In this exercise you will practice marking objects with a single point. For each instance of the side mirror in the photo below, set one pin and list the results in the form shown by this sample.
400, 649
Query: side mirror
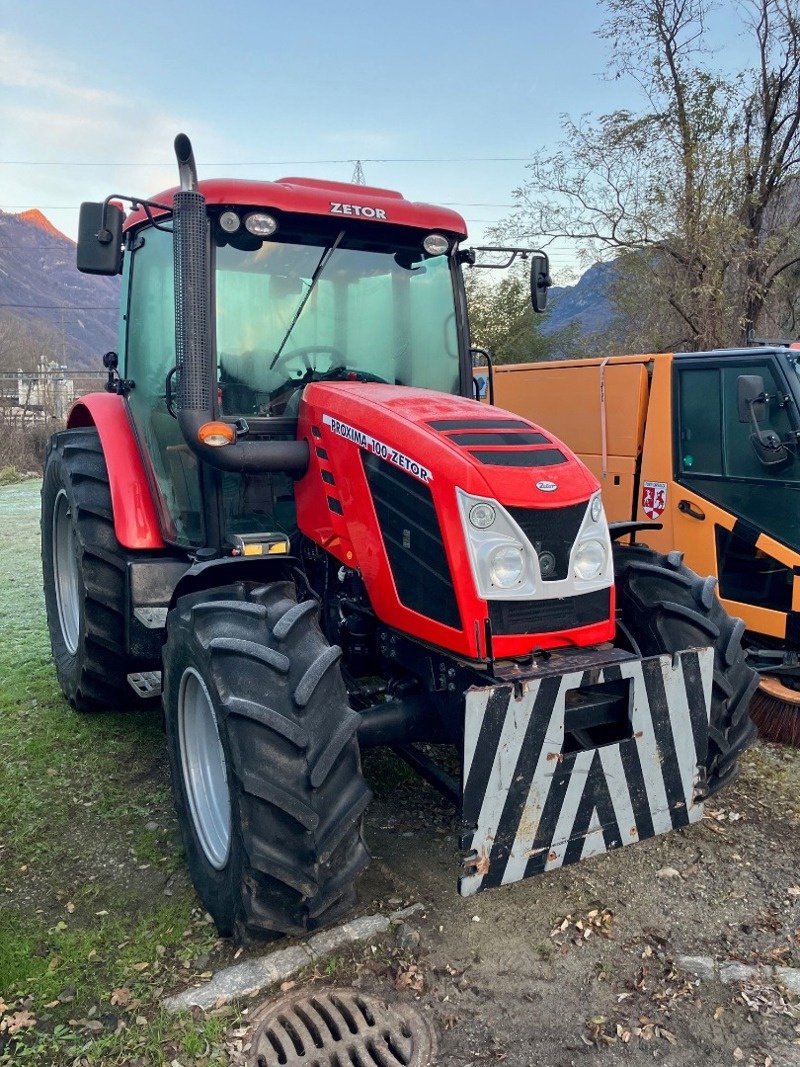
540, 281
751, 401
100, 239
750, 398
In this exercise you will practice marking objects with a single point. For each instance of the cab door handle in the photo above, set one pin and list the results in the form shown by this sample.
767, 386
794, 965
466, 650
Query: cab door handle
688, 508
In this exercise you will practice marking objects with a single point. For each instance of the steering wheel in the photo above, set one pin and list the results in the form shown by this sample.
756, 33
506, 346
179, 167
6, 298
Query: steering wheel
335, 374
304, 354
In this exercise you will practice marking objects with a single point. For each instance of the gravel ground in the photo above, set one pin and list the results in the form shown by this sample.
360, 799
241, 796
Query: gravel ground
578, 966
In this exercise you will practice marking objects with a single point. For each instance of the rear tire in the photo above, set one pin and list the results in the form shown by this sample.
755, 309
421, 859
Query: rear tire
83, 568
277, 847
662, 606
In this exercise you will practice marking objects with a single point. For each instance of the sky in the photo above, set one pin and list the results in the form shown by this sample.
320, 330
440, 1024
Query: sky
442, 100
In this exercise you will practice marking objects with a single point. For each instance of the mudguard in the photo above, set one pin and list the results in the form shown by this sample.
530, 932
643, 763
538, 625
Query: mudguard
530, 805
135, 517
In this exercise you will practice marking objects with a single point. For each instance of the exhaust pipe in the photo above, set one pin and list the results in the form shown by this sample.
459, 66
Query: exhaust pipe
195, 358
186, 165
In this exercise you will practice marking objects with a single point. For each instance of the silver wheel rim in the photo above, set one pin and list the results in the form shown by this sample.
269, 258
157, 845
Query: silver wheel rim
203, 766
66, 573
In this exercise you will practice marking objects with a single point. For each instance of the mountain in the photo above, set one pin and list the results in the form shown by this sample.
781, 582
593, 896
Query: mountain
587, 304
39, 283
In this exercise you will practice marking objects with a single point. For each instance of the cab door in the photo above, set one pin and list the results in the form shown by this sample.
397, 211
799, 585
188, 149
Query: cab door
736, 512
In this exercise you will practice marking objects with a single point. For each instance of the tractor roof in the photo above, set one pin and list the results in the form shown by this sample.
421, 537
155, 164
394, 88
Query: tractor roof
313, 197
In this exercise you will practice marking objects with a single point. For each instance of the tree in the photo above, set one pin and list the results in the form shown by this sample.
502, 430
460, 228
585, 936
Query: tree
700, 183
503, 321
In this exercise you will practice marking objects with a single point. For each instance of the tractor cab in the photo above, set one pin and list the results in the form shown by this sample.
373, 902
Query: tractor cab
302, 286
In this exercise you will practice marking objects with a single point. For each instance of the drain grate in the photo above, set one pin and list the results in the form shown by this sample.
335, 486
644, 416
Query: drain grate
340, 1028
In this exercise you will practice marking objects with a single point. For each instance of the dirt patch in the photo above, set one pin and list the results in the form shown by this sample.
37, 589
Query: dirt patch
579, 965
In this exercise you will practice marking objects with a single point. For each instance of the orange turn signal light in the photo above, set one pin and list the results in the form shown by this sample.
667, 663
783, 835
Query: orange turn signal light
216, 434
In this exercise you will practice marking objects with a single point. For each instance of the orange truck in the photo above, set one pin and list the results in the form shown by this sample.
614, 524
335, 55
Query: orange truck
705, 444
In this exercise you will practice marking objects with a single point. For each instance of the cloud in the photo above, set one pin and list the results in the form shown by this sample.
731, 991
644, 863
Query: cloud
53, 113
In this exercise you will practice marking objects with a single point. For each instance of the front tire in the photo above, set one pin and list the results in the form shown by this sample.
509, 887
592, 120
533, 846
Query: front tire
662, 606
264, 760
83, 567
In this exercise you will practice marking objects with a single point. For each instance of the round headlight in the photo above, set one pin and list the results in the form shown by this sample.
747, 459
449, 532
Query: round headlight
506, 565
260, 224
229, 221
435, 244
482, 516
596, 509
590, 559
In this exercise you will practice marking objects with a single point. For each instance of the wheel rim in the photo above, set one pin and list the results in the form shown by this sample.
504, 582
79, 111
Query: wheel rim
203, 766
66, 573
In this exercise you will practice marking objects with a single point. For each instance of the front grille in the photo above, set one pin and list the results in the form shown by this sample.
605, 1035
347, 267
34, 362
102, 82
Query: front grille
551, 530
413, 540
546, 616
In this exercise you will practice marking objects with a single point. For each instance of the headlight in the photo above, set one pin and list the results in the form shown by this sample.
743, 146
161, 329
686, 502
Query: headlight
590, 559
260, 224
481, 516
506, 565
229, 221
596, 508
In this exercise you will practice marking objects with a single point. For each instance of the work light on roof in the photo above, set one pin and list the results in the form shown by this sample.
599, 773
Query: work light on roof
260, 224
230, 221
435, 244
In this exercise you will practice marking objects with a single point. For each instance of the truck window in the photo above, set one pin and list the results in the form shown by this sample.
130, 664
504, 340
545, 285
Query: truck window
741, 460
700, 421
717, 460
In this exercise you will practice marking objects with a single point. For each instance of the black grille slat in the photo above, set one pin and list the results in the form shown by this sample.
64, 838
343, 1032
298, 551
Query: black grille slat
410, 530
541, 457
480, 424
546, 616
551, 530
500, 438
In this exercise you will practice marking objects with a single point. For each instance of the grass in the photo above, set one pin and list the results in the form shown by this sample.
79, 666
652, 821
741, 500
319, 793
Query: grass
97, 918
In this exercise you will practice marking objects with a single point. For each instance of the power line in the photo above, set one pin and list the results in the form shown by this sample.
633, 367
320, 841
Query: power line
58, 307
268, 163
70, 207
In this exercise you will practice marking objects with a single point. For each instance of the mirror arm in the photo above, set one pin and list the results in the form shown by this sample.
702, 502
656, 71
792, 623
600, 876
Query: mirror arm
105, 235
513, 254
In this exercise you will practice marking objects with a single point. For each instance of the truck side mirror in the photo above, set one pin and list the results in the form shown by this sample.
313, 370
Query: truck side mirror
770, 450
540, 281
750, 398
100, 239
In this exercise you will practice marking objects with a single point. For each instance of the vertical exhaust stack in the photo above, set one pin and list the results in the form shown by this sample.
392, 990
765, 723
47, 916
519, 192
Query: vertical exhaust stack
195, 358
192, 294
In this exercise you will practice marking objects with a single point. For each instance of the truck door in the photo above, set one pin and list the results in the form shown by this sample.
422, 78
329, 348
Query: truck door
737, 512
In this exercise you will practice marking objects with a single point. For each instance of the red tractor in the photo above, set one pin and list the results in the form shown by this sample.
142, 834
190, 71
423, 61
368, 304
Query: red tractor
290, 509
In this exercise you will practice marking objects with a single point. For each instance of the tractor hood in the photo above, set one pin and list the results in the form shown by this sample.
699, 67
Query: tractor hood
391, 474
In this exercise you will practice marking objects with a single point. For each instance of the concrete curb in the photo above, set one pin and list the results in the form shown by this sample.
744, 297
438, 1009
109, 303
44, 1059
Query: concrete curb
251, 976
729, 971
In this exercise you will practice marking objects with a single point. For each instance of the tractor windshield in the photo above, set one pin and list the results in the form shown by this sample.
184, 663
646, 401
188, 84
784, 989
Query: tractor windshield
306, 308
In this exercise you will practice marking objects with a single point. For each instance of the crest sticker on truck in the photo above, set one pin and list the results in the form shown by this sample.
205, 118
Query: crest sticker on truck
654, 499
378, 448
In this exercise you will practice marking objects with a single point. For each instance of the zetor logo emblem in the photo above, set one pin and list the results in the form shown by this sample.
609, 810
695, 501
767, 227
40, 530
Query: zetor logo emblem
547, 487
357, 209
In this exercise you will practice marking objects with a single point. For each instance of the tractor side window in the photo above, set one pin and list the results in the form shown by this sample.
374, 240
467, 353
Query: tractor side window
150, 356
700, 421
